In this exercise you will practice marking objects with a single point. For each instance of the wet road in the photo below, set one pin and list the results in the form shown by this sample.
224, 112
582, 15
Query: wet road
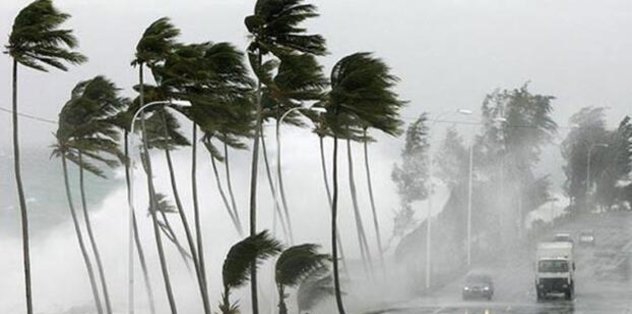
603, 278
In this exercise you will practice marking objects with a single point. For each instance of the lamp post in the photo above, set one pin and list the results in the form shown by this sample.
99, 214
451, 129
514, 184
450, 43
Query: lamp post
278, 157
429, 214
592, 146
181, 103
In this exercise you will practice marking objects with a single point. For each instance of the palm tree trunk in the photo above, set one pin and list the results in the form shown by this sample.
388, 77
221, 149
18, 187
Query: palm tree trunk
139, 247
375, 221
154, 206
253, 191
230, 186
364, 246
82, 246
334, 228
281, 188
326, 181
93, 242
198, 223
229, 209
277, 207
18, 182
185, 224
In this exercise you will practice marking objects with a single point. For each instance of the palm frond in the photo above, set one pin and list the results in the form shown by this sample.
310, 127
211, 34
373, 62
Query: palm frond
36, 40
252, 250
297, 262
157, 40
362, 90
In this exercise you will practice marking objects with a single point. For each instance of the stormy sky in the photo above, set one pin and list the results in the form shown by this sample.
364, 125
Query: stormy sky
448, 53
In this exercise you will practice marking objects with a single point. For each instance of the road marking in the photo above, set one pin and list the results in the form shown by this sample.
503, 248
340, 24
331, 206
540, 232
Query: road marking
438, 310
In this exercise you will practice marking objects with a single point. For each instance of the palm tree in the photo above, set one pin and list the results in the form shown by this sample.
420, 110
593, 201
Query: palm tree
86, 135
37, 42
294, 265
157, 41
94, 136
241, 257
361, 91
275, 28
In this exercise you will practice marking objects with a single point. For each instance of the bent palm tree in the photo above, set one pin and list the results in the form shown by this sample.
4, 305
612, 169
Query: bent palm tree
275, 28
37, 42
294, 265
86, 134
95, 136
241, 257
157, 41
361, 92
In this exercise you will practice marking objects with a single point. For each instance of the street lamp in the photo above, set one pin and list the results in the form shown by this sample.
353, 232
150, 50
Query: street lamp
429, 214
278, 155
180, 103
604, 145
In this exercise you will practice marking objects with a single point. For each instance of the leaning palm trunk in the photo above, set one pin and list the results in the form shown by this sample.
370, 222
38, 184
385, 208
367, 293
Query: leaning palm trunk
334, 228
180, 208
375, 221
364, 246
220, 188
93, 243
277, 207
281, 188
326, 181
154, 205
230, 185
82, 246
22, 200
253, 191
139, 247
198, 223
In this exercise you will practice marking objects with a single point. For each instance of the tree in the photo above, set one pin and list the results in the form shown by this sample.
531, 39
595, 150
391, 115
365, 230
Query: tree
275, 29
157, 41
361, 90
516, 125
294, 265
87, 135
36, 41
453, 159
410, 178
590, 129
245, 254
87, 123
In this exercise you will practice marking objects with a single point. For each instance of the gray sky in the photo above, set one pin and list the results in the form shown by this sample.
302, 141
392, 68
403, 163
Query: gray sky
448, 53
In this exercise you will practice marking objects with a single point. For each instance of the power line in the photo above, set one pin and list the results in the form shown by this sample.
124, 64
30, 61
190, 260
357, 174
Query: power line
29, 116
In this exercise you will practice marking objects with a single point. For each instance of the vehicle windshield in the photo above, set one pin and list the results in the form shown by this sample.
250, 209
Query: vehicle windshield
478, 279
553, 266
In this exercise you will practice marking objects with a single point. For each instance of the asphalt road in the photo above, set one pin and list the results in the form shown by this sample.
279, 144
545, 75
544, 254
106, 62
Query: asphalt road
603, 278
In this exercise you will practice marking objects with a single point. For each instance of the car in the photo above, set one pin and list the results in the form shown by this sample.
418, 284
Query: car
563, 237
587, 238
478, 285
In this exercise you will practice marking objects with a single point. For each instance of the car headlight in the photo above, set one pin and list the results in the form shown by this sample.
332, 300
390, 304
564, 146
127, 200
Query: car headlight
486, 288
466, 288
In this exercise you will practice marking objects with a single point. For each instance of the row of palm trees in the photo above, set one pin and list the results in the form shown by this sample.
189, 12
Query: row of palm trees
227, 106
